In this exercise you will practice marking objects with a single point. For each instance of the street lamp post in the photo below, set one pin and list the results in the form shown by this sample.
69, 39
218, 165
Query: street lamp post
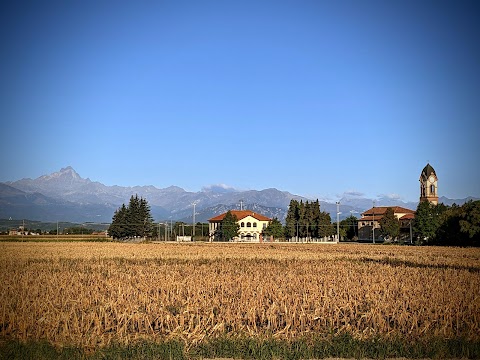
411, 237
373, 222
193, 231
338, 223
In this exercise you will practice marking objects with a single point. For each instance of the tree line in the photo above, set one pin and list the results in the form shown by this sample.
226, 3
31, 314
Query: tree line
133, 220
433, 224
448, 225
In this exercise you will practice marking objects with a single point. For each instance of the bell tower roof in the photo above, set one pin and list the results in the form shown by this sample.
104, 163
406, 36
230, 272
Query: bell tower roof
427, 171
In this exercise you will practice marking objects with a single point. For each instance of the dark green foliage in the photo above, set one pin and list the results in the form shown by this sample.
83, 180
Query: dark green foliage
390, 225
132, 221
305, 220
460, 225
428, 219
326, 227
229, 227
77, 230
291, 219
443, 225
470, 221
275, 229
348, 227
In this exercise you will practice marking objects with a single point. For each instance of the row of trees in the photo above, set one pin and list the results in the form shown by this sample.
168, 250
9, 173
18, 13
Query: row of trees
133, 220
448, 225
433, 224
305, 220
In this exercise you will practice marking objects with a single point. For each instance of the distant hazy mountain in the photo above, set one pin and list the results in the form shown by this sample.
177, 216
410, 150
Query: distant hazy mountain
66, 189
66, 196
450, 202
364, 203
17, 204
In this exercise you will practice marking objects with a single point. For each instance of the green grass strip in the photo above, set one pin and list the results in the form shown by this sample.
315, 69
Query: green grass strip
341, 346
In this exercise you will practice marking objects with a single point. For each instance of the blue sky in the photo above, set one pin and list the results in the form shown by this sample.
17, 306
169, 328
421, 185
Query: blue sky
319, 98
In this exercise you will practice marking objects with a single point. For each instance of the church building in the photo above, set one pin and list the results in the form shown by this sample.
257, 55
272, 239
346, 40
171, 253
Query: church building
369, 223
429, 185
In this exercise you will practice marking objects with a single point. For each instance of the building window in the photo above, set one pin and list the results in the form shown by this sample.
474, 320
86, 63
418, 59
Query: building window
243, 224
254, 224
264, 226
249, 224
432, 189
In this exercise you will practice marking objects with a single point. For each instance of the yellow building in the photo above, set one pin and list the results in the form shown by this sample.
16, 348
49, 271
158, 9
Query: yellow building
251, 225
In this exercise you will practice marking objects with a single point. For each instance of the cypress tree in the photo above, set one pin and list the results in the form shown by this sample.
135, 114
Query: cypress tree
132, 220
291, 219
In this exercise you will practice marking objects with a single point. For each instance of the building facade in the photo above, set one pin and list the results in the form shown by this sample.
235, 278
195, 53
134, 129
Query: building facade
369, 223
429, 185
251, 225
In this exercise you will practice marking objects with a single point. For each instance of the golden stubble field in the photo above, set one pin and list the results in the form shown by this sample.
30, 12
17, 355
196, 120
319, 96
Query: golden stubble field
96, 294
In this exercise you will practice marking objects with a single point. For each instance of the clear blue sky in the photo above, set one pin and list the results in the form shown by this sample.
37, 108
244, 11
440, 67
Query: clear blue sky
317, 98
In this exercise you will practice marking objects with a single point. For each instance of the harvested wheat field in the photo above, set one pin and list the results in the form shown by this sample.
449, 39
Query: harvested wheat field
210, 296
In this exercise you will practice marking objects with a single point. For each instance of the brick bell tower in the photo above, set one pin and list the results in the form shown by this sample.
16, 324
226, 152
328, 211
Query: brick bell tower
429, 185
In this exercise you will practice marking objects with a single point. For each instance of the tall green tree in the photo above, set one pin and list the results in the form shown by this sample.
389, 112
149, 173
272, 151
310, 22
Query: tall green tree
428, 219
470, 221
146, 219
326, 227
315, 219
291, 220
229, 227
275, 229
301, 220
389, 224
460, 225
133, 220
118, 228
348, 227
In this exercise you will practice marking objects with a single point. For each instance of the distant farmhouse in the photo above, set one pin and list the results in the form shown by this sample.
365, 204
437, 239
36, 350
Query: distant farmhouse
370, 220
251, 225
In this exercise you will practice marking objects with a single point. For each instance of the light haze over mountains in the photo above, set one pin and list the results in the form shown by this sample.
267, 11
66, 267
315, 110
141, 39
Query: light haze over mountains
66, 196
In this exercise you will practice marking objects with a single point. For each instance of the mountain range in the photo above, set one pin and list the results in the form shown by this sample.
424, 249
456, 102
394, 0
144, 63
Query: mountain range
66, 196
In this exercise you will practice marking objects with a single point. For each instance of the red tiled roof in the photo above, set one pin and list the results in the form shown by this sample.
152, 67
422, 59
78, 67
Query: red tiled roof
408, 217
380, 210
240, 214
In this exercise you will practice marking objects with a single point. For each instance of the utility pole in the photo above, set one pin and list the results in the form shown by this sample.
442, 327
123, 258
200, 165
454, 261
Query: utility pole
338, 223
193, 231
373, 222
411, 239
